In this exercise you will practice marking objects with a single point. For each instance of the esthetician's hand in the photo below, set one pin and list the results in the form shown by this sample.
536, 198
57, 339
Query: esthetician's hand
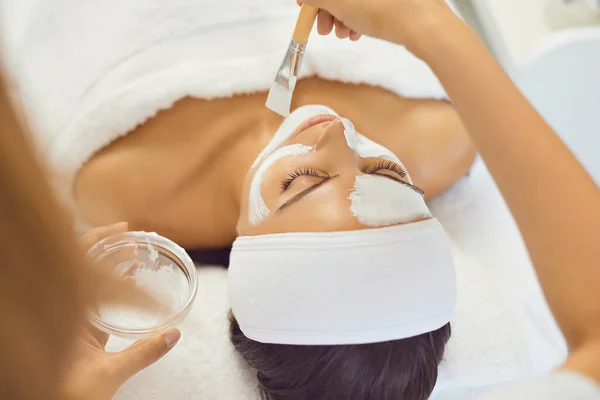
399, 21
95, 374
326, 23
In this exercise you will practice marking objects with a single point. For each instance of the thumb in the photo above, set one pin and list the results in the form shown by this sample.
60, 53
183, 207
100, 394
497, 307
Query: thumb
144, 353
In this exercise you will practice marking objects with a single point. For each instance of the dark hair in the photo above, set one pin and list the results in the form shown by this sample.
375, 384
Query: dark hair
404, 369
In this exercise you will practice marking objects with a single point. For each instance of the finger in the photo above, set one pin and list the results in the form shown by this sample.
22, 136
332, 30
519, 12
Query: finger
314, 3
341, 30
98, 335
143, 354
355, 36
325, 23
92, 237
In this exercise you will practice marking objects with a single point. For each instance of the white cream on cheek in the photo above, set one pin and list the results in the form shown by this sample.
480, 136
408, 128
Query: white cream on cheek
257, 208
378, 201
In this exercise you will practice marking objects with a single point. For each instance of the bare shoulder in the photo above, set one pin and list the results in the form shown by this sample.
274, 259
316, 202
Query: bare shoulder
431, 140
128, 178
109, 188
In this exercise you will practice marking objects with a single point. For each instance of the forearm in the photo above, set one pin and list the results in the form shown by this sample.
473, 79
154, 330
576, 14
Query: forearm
555, 203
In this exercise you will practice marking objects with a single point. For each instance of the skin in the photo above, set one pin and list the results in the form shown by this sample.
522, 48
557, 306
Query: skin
182, 173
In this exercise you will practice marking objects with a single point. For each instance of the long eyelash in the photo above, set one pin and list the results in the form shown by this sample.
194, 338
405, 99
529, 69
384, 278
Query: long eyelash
390, 166
292, 176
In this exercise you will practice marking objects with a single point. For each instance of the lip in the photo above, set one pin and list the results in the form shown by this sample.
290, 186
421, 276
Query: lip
319, 119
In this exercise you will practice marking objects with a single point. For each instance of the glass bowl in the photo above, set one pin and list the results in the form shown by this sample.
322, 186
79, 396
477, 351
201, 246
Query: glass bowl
153, 263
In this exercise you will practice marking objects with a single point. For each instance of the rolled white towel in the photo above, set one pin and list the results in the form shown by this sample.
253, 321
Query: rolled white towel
91, 71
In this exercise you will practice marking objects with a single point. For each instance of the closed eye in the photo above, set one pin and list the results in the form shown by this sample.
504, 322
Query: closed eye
292, 176
389, 166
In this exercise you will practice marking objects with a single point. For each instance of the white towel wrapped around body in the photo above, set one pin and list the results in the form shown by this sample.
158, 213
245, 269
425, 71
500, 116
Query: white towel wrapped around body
91, 71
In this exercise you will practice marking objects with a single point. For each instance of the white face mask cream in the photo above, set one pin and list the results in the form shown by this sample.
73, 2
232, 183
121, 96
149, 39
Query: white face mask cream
365, 147
257, 208
378, 201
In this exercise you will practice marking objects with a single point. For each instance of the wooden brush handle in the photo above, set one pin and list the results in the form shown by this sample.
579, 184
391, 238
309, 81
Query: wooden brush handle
306, 21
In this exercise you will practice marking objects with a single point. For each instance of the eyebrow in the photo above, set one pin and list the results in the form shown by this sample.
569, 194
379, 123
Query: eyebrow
305, 193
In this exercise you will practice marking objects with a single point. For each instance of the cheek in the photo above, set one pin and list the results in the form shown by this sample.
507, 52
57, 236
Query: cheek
271, 185
270, 190
244, 221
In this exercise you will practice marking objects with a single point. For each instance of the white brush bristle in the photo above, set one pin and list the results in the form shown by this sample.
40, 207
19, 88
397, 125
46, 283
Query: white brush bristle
279, 100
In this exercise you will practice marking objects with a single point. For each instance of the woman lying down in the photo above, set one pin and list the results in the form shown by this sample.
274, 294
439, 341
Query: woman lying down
335, 290
323, 214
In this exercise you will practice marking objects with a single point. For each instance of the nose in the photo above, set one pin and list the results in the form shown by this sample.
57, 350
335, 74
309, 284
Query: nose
333, 140
332, 147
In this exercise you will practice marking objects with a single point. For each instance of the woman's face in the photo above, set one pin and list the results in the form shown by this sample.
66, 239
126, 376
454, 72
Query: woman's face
326, 177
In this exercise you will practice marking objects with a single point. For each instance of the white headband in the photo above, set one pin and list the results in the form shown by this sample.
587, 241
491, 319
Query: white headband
338, 288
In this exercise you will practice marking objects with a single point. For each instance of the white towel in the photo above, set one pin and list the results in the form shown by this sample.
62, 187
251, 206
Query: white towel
502, 331
91, 71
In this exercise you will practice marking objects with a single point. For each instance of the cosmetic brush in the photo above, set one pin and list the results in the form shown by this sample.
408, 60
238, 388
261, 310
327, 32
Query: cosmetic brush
282, 89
